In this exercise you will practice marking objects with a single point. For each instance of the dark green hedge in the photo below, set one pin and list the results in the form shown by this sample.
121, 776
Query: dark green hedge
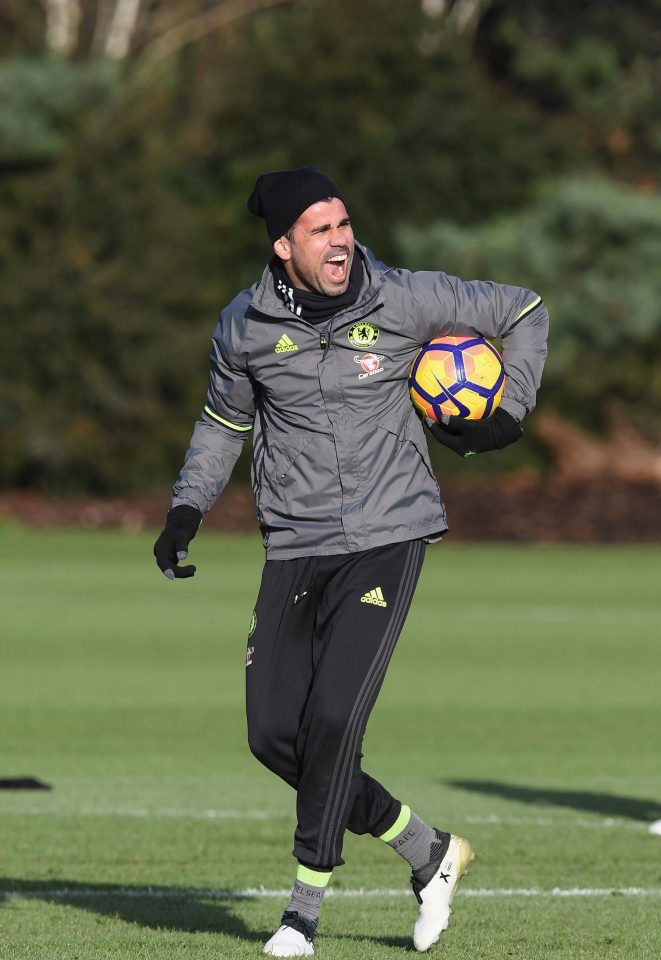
123, 226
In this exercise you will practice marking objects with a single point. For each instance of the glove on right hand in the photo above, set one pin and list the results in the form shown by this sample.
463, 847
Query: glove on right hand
466, 437
181, 525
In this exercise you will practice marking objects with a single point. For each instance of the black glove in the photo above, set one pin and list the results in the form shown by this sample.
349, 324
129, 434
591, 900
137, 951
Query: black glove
172, 546
467, 437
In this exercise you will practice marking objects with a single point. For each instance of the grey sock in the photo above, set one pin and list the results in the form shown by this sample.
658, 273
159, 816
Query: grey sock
417, 842
306, 898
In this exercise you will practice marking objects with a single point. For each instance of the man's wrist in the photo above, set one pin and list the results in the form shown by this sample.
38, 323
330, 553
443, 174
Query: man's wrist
515, 409
184, 510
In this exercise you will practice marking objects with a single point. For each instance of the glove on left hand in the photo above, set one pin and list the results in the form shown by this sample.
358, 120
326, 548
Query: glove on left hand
467, 437
172, 545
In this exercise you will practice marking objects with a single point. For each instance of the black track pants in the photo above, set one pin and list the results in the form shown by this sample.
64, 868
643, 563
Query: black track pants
324, 632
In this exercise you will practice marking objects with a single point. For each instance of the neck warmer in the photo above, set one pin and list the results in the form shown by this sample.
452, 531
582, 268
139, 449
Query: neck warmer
310, 305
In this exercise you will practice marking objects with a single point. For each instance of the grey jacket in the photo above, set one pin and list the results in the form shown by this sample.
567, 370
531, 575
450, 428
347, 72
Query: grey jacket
340, 461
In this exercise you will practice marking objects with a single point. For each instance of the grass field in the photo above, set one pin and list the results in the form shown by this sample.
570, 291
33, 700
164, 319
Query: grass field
522, 709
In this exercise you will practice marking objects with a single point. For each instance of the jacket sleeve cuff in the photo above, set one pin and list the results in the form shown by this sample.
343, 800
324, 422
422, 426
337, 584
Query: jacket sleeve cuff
190, 499
514, 408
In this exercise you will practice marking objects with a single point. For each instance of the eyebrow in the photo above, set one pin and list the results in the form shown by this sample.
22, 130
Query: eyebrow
326, 226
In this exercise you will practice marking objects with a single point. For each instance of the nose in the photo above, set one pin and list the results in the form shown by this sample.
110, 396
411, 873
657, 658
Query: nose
340, 236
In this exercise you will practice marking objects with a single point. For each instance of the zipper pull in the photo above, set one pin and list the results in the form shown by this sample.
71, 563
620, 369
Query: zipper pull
323, 342
304, 587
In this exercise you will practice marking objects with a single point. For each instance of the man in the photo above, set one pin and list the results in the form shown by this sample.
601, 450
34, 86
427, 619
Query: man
346, 501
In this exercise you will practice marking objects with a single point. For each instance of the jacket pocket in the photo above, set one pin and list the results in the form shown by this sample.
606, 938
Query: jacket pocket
410, 433
300, 495
276, 462
414, 434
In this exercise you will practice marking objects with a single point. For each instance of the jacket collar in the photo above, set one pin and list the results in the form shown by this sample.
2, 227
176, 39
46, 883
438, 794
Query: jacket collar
267, 302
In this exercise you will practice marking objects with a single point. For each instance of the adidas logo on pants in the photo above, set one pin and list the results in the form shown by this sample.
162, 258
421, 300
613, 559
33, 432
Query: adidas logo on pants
374, 596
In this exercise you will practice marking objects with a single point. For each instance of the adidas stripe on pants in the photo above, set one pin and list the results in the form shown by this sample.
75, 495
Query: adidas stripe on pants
324, 632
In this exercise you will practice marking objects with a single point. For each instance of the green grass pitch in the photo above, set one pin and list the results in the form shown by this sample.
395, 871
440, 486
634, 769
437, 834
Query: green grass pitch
522, 709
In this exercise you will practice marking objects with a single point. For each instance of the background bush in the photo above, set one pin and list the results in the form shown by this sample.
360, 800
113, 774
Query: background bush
520, 144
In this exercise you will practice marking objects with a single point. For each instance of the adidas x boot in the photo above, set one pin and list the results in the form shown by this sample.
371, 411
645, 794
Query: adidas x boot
434, 886
294, 938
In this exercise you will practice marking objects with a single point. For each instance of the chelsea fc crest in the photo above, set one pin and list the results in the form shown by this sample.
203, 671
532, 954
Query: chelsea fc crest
363, 334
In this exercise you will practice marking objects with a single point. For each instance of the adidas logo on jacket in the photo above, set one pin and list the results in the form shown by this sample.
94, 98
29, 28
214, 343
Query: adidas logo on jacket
285, 344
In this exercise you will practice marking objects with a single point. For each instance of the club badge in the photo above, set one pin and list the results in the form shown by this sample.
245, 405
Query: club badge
363, 334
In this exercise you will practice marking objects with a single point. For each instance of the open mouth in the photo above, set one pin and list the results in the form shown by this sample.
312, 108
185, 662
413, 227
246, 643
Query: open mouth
336, 267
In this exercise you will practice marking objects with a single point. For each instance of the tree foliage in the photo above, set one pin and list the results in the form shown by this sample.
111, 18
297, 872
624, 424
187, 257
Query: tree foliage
123, 181
44, 103
596, 61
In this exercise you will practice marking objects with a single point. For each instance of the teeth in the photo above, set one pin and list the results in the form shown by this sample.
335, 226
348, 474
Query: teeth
339, 259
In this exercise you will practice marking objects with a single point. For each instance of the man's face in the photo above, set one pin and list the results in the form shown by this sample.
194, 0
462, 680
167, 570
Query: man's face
320, 253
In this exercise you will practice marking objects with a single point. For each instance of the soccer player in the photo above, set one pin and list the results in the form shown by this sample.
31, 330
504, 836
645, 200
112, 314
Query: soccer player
314, 358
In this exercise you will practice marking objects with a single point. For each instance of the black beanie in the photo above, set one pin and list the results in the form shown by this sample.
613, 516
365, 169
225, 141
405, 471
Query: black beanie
281, 197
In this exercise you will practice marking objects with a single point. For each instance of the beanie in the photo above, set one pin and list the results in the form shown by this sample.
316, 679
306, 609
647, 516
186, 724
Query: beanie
281, 197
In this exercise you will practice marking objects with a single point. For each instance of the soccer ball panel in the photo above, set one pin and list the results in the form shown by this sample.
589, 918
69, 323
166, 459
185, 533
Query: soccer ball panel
482, 366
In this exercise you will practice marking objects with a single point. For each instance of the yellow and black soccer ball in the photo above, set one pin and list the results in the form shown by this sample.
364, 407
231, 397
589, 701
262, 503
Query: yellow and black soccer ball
457, 377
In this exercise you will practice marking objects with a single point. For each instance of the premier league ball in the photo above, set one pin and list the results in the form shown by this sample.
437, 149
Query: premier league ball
457, 377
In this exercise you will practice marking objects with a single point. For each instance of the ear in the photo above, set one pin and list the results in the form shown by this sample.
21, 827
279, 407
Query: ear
282, 248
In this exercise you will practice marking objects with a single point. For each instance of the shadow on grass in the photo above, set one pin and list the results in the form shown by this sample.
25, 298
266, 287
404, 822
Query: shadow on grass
164, 908
401, 943
605, 804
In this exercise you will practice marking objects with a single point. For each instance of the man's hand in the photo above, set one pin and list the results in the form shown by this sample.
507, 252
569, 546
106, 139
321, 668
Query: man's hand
172, 546
467, 437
